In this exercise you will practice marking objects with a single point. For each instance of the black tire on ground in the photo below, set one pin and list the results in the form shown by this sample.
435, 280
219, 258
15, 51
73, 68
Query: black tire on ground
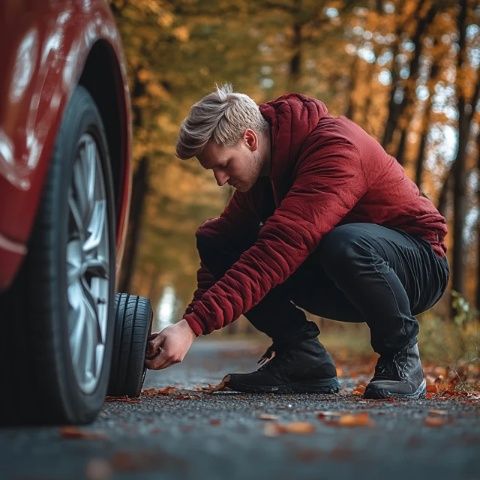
133, 324
38, 379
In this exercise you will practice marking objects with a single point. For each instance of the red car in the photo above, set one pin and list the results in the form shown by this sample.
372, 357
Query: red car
65, 141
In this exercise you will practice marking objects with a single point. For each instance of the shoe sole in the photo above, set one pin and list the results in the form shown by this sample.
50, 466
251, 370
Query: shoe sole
327, 385
380, 393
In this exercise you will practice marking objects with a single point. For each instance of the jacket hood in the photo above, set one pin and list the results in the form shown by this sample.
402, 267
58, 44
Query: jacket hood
292, 118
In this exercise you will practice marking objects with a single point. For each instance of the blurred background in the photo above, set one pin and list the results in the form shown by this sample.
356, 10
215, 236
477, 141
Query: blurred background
407, 71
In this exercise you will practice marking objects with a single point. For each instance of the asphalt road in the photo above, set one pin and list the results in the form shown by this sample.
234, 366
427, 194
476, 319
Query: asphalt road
194, 435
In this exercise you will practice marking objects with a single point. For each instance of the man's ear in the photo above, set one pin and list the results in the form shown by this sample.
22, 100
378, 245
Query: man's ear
251, 139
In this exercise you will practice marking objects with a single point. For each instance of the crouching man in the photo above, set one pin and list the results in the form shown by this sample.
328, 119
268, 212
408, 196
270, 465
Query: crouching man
322, 218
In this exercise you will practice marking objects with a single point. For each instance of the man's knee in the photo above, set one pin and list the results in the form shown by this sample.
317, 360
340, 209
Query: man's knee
342, 247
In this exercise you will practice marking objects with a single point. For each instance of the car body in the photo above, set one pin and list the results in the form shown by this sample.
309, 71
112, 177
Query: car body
47, 48
65, 179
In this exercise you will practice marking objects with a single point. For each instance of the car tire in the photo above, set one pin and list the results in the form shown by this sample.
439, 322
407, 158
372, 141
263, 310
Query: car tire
133, 324
56, 343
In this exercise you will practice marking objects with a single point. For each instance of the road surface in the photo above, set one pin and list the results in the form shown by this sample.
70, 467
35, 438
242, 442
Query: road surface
189, 434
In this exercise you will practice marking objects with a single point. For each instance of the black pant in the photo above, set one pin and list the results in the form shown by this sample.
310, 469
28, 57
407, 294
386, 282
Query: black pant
360, 272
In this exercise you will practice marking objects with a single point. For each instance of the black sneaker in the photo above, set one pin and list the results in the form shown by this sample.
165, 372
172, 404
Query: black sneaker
305, 367
399, 375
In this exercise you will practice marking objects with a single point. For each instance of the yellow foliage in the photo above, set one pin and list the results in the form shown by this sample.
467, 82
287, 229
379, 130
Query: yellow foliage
145, 75
181, 33
156, 90
165, 19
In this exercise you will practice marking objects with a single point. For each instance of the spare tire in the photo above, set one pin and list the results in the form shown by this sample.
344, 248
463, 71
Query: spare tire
133, 324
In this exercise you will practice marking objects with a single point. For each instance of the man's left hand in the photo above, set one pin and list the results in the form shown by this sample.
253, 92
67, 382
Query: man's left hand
169, 346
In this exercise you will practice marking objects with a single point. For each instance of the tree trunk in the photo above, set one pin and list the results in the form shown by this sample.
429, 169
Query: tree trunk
351, 107
402, 143
425, 126
295, 64
397, 110
477, 290
406, 108
444, 191
139, 193
378, 6
420, 161
459, 168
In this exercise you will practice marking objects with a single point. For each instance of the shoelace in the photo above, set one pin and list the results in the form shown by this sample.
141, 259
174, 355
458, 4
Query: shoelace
391, 367
268, 355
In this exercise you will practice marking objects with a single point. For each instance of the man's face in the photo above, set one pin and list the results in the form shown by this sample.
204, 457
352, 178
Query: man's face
239, 165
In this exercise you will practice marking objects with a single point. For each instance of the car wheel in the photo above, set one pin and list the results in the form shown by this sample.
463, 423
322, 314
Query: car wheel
57, 337
133, 324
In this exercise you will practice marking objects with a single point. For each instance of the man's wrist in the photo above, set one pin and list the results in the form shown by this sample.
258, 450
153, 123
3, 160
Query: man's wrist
188, 328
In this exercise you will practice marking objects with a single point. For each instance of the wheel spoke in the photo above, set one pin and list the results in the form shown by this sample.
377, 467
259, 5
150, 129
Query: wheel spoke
77, 321
88, 264
80, 190
96, 228
75, 215
74, 260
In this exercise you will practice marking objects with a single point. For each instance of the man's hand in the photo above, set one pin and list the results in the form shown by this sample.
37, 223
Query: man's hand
169, 346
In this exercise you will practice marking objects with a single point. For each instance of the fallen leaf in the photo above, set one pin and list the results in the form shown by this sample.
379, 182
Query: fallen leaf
436, 421
123, 398
223, 385
215, 422
72, 432
437, 412
359, 389
267, 416
327, 414
351, 420
297, 428
355, 420
154, 392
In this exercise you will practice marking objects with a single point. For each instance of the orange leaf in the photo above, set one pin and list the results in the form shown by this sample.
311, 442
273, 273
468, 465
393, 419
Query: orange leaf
154, 392
267, 416
355, 420
223, 385
436, 421
297, 428
72, 432
215, 422
123, 398
351, 420
437, 412
327, 414
359, 389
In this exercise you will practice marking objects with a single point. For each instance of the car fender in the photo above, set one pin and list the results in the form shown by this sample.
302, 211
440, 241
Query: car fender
43, 53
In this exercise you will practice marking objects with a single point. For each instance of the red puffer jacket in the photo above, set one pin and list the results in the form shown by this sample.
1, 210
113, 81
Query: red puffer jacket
325, 171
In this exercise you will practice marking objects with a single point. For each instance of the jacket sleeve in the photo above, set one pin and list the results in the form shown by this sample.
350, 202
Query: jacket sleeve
236, 225
328, 184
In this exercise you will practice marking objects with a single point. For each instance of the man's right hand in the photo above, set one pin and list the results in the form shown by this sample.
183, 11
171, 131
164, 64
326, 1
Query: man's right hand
169, 346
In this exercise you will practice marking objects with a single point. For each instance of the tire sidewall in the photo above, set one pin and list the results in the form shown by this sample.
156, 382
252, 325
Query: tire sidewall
81, 116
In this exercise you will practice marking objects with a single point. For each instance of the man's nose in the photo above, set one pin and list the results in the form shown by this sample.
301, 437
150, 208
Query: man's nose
221, 178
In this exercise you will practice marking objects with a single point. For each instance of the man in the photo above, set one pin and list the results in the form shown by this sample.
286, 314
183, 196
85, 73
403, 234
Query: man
322, 218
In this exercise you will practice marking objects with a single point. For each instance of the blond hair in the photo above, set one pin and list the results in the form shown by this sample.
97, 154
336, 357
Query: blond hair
222, 116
